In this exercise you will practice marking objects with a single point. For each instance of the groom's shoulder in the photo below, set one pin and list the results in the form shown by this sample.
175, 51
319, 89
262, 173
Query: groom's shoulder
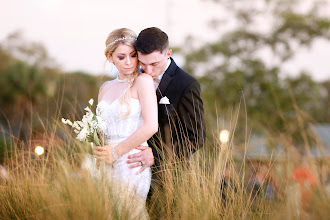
184, 78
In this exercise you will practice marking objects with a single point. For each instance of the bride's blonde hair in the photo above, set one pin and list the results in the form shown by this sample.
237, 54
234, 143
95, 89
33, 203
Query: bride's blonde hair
115, 38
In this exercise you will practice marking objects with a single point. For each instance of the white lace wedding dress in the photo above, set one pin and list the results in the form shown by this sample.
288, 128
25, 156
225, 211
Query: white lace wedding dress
121, 176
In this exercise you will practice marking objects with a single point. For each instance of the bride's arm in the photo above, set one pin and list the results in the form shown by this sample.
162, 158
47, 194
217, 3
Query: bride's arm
148, 101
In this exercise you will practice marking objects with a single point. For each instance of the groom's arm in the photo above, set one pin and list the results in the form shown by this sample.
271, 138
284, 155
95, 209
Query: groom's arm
191, 115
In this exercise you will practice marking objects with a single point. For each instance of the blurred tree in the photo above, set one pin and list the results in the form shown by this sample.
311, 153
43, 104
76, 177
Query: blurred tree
78, 88
326, 104
247, 62
24, 83
34, 91
23, 87
33, 53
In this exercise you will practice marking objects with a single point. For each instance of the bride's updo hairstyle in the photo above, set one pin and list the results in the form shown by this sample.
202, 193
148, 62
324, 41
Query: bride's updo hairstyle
115, 38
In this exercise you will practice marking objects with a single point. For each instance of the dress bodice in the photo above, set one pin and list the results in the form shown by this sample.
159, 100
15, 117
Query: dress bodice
117, 128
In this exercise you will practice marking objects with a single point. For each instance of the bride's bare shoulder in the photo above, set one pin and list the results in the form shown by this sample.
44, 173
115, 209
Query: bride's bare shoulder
144, 79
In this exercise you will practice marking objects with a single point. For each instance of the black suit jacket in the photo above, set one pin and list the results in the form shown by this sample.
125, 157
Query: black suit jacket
181, 123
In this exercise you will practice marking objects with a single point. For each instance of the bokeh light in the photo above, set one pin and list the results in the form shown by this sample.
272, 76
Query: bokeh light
39, 150
224, 136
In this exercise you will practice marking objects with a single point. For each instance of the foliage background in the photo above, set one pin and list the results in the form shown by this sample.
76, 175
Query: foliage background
243, 69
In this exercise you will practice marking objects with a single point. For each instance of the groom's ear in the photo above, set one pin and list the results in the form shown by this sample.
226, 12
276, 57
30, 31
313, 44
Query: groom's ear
169, 53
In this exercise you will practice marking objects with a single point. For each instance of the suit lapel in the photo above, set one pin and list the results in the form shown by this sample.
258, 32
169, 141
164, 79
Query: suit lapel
166, 79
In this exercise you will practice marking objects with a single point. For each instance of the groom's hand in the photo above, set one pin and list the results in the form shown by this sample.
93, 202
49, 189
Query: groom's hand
145, 158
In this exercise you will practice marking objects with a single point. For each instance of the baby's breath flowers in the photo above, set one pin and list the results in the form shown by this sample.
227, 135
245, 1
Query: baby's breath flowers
90, 128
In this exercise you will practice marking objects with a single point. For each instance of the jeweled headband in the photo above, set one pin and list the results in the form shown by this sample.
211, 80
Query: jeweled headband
120, 39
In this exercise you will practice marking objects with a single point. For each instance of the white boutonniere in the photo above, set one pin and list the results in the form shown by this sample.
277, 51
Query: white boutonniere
164, 100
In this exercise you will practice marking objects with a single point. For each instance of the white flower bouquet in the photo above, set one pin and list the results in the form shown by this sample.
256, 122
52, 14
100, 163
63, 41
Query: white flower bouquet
90, 128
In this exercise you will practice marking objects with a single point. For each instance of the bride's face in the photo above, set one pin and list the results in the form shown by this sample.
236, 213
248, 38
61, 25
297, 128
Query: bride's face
125, 59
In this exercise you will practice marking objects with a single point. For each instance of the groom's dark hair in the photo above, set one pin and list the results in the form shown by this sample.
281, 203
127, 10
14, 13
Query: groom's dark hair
150, 40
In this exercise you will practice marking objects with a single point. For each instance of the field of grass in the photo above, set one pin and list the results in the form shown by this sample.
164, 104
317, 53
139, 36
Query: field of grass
53, 186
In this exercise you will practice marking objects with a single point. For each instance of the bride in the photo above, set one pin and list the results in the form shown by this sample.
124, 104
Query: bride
128, 104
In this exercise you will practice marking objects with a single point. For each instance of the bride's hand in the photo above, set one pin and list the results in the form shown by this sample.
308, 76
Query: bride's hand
103, 153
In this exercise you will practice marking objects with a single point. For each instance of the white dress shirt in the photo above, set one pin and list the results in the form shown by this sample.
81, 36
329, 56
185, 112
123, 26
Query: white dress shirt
159, 78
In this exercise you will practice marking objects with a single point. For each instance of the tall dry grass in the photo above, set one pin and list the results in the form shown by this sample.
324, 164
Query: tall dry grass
53, 186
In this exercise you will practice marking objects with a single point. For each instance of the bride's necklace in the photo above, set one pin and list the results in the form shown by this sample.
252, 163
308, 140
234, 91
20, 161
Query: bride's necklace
121, 80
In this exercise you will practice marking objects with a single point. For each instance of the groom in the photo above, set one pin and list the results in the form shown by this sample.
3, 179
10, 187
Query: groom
180, 107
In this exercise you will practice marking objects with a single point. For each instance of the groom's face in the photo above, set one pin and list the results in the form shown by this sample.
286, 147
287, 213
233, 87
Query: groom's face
154, 63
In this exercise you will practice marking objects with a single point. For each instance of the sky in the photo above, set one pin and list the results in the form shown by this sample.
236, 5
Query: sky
74, 31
